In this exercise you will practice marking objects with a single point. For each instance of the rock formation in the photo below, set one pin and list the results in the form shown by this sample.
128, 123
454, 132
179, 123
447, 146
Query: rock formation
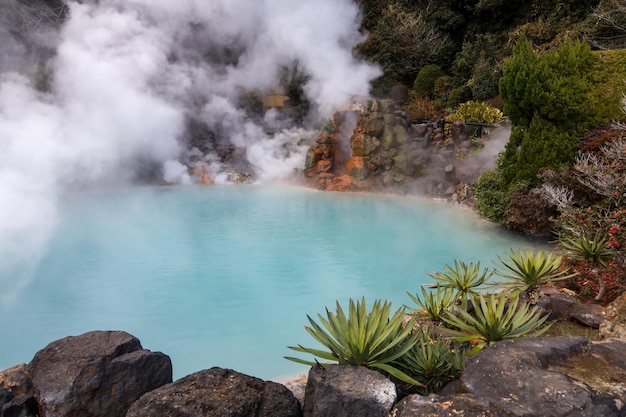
95, 374
374, 146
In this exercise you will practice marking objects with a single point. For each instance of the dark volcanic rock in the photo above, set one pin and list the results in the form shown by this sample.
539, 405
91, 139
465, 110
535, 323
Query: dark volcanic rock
346, 391
218, 392
515, 376
20, 406
591, 315
96, 374
449, 406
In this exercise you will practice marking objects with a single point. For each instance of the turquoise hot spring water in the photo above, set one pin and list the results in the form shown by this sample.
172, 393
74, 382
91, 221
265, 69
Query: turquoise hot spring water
225, 275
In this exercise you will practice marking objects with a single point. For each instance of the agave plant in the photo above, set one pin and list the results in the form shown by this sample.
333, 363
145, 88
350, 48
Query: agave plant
527, 271
464, 279
372, 339
435, 303
495, 317
594, 250
434, 362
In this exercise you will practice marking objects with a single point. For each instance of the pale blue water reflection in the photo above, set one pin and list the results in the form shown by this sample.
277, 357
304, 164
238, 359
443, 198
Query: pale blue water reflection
224, 276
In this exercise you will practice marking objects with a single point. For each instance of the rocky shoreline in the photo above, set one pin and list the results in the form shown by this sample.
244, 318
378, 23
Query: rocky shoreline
109, 373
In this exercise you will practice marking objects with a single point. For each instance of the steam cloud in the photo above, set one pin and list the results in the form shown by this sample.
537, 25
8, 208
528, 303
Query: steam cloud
123, 78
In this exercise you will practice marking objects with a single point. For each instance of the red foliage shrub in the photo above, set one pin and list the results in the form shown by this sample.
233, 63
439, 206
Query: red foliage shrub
591, 140
586, 283
530, 214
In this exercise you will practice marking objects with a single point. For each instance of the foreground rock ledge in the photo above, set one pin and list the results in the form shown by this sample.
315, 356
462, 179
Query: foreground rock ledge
109, 374
218, 392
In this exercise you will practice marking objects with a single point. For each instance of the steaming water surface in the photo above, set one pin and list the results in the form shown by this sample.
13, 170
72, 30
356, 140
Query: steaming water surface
224, 276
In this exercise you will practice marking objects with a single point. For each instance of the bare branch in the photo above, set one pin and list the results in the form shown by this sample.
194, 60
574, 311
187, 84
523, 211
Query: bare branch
558, 196
23, 18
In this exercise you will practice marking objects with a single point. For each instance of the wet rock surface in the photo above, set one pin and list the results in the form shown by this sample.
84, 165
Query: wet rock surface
376, 147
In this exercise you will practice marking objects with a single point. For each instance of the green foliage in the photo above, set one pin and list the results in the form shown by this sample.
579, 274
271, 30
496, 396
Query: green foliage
464, 279
443, 86
477, 112
459, 95
485, 79
553, 86
593, 249
526, 271
541, 145
402, 39
373, 339
424, 83
491, 198
434, 303
477, 66
433, 361
551, 98
495, 318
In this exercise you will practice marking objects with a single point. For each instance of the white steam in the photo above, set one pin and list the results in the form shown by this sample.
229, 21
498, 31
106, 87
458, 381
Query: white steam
124, 78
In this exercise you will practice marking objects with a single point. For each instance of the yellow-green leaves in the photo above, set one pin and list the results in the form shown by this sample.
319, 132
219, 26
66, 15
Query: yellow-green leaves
495, 317
373, 339
593, 249
527, 270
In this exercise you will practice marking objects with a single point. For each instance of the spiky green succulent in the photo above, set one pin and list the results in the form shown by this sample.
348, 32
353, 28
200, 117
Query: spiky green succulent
374, 339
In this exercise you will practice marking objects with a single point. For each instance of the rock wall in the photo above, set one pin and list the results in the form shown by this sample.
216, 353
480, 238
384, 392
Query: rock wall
385, 151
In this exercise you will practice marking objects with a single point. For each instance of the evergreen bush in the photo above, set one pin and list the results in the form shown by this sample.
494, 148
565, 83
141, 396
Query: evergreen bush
491, 198
551, 99
424, 83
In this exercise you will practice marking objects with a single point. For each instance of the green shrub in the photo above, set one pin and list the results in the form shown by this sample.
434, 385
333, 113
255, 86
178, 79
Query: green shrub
424, 83
459, 95
485, 79
443, 86
551, 99
491, 198
542, 145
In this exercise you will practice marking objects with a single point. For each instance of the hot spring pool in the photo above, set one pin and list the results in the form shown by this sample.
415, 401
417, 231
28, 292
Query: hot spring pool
225, 276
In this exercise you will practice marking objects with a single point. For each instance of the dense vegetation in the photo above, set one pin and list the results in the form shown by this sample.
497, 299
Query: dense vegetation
469, 39
557, 72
